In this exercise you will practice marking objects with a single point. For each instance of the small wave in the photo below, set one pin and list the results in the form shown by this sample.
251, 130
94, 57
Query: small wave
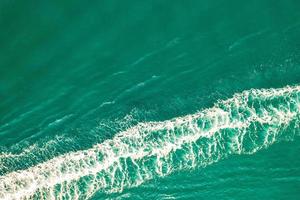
245, 38
60, 120
136, 87
249, 121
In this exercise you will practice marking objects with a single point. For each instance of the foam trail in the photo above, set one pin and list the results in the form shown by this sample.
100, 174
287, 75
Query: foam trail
249, 121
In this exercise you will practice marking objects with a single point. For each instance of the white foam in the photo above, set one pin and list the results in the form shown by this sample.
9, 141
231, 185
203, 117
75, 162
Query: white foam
158, 148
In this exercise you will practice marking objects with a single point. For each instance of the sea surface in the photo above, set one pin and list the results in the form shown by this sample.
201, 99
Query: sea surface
161, 99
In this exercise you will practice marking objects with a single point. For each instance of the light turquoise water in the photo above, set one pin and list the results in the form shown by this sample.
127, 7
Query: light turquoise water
150, 100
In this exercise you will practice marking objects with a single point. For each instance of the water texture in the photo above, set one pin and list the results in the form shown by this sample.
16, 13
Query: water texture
150, 100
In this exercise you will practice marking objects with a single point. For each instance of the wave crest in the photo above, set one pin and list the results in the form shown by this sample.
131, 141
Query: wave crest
249, 121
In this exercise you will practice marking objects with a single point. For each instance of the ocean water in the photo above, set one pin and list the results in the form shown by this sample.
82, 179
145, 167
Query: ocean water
150, 99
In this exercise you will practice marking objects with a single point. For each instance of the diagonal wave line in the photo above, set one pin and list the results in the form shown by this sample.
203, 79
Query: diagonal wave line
243, 124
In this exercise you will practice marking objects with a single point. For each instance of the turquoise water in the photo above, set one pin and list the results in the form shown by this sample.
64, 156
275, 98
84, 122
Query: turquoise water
150, 99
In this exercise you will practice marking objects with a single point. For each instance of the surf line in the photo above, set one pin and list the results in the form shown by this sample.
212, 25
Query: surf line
243, 124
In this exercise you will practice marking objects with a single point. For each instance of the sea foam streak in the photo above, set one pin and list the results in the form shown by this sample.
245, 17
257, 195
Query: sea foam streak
243, 124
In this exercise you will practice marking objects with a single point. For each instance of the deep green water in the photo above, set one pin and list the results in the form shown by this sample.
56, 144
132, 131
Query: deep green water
150, 99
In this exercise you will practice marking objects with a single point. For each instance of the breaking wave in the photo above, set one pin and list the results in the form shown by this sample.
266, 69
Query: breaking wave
243, 124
